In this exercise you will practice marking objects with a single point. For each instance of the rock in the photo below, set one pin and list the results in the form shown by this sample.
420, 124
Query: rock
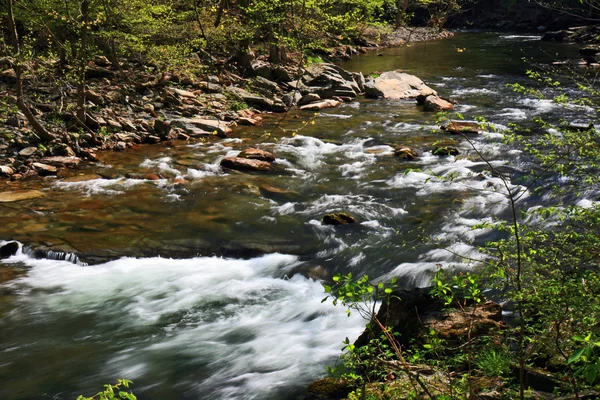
28, 151
345, 90
7, 197
445, 151
265, 86
415, 312
114, 96
252, 153
128, 126
330, 388
121, 146
59, 161
219, 128
92, 72
359, 78
128, 138
319, 105
277, 193
460, 127
152, 139
180, 92
326, 74
113, 125
152, 177
14, 121
397, 85
292, 98
248, 121
309, 98
88, 155
6, 170
102, 61
94, 97
44, 169
590, 50
436, 103
163, 128
82, 178
261, 69
281, 74
558, 36
338, 219
256, 100
8, 249
405, 153
245, 164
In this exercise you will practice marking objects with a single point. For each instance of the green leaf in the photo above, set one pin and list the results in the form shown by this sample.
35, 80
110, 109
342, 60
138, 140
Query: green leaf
575, 356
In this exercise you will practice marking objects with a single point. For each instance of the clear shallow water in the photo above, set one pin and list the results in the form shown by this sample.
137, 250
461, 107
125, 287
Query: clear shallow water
216, 304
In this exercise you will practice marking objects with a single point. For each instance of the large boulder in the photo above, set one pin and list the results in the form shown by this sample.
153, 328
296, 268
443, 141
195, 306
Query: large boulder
256, 100
397, 85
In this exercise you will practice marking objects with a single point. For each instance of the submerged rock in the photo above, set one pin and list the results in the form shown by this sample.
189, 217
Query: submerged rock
7, 197
338, 219
406, 153
245, 164
252, 153
445, 151
397, 85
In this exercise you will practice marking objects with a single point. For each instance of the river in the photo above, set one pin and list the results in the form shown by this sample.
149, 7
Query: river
207, 290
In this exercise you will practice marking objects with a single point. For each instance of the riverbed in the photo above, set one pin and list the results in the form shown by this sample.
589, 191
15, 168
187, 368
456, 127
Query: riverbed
211, 289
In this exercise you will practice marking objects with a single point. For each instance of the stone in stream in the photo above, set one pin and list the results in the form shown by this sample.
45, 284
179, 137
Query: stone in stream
436, 103
406, 153
8, 249
397, 85
459, 127
245, 164
44, 169
445, 151
8, 197
338, 219
82, 178
60, 161
252, 153
319, 105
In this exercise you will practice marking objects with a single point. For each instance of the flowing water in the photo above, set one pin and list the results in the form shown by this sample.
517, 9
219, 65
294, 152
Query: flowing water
210, 290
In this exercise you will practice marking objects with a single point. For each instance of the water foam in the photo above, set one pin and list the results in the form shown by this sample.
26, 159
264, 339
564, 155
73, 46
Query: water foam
257, 330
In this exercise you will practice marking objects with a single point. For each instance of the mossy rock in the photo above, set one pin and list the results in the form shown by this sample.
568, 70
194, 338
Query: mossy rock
445, 151
329, 388
338, 219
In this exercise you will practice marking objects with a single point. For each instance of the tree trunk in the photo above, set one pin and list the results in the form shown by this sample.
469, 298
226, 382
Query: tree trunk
38, 128
401, 5
82, 55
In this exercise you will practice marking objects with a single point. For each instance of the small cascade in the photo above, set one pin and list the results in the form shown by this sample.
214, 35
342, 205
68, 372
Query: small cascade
52, 255
9, 248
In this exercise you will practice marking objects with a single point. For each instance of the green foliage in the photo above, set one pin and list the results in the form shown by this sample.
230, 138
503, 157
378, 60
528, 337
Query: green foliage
113, 392
494, 361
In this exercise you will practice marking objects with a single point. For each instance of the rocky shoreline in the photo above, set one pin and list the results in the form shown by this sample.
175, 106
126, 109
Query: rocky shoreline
127, 106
